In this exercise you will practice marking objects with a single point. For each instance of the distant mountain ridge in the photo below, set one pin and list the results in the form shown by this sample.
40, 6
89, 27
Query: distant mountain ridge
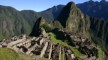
55, 11
95, 9
92, 8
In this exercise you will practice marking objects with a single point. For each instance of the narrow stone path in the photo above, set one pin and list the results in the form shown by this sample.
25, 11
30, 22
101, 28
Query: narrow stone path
60, 54
50, 52
43, 50
31, 49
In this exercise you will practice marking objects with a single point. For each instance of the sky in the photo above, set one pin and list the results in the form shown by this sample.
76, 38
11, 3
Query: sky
36, 5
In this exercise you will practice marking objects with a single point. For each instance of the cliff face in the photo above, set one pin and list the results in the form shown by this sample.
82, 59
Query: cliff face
73, 20
99, 29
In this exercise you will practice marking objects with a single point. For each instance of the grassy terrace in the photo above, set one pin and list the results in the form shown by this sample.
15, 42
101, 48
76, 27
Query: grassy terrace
8, 54
53, 38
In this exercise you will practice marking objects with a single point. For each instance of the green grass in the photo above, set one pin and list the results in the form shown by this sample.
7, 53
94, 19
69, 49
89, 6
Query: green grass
43, 59
8, 54
1, 37
100, 54
75, 50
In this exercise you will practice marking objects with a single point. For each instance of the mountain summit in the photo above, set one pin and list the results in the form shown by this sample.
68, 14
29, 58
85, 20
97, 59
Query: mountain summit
66, 12
73, 20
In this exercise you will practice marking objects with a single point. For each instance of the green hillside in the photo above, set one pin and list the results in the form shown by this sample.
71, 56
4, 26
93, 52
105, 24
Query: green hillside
8, 54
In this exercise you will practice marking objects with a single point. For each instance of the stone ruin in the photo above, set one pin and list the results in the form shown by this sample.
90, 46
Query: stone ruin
38, 47
85, 46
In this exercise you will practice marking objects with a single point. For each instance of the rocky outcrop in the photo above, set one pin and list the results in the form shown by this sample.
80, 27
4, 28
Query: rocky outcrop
38, 27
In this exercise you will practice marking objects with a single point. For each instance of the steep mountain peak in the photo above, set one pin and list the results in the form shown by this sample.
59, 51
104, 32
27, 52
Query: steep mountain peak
71, 5
69, 10
72, 19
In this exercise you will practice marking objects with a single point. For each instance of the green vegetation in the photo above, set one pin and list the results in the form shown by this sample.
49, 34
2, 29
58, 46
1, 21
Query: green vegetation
100, 54
56, 24
12, 23
101, 45
8, 54
99, 42
1, 37
99, 29
43, 59
75, 50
